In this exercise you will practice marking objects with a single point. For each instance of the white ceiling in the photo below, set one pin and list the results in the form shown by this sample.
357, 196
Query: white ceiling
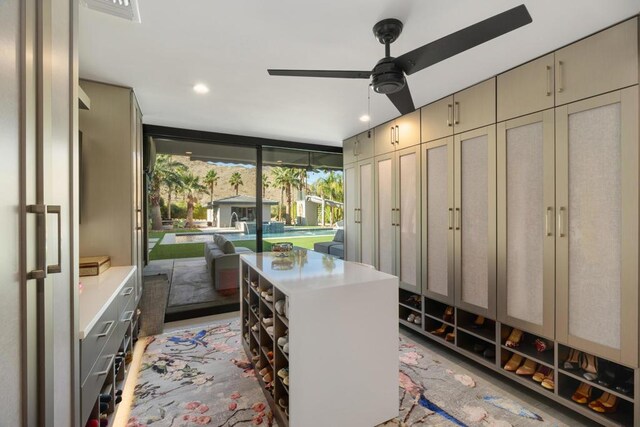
228, 45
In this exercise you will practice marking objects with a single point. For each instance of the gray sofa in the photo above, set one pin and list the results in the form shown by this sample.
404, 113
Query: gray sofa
334, 247
223, 262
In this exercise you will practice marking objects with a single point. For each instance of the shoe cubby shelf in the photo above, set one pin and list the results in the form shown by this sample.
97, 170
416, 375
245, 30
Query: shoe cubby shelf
485, 341
324, 316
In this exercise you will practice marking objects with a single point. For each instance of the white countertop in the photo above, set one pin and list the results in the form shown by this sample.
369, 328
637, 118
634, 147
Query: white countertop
97, 293
305, 270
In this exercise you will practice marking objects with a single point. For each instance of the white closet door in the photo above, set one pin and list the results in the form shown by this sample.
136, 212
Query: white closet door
474, 220
365, 215
408, 218
437, 220
597, 199
351, 227
385, 215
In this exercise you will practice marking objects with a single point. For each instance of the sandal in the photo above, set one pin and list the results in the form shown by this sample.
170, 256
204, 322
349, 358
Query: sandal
589, 367
541, 373
605, 403
582, 393
572, 361
514, 338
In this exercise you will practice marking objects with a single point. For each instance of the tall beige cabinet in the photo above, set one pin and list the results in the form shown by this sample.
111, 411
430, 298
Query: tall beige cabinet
111, 197
359, 207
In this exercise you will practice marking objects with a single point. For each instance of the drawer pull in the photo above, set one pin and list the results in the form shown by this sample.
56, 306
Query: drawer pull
129, 317
107, 330
106, 371
127, 292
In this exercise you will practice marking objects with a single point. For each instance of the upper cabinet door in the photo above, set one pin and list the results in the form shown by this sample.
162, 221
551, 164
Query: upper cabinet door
407, 218
526, 89
349, 150
597, 225
384, 138
475, 107
364, 145
407, 130
475, 221
526, 208
601, 63
437, 119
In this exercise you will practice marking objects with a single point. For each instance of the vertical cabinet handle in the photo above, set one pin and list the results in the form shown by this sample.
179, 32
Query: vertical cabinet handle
450, 219
43, 210
547, 221
561, 226
456, 113
549, 80
560, 76
393, 223
392, 136
397, 134
398, 217
457, 218
450, 115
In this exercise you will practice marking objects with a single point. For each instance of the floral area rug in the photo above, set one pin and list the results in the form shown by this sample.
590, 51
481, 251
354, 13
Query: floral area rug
202, 377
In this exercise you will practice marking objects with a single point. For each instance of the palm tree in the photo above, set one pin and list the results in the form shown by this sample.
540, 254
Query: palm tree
330, 187
191, 187
211, 180
164, 168
287, 179
236, 181
279, 181
173, 181
265, 184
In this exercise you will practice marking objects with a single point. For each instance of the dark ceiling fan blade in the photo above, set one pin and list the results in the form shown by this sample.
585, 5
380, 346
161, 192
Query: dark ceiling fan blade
464, 39
402, 100
338, 74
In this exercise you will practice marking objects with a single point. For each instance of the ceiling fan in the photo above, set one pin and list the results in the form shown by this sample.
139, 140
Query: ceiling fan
388, 75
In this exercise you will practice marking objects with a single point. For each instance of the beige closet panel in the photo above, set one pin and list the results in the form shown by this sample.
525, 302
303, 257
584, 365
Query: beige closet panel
385, 221
407, 130
475, 220
366, 242
437, 220
437, 119
351, 226
407, 218
526, 238
597, 201
384, 139
475, 107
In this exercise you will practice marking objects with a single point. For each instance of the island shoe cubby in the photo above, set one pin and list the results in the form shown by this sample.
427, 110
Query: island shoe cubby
554, 370
341, 342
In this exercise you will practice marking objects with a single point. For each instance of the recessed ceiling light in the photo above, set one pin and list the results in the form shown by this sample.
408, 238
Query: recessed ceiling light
188, 152
201, 88
364, 118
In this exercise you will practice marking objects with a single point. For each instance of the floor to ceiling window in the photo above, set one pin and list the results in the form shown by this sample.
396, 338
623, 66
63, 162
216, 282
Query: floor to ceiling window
206, 206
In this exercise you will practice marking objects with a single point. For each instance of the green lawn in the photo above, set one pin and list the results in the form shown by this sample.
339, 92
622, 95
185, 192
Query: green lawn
158, 234
191, 250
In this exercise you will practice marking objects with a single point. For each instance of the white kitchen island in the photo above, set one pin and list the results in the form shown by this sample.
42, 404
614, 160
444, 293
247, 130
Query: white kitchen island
342, 327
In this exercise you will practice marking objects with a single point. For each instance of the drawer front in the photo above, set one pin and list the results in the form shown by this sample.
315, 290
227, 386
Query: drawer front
126, 295
94, 382
94, 342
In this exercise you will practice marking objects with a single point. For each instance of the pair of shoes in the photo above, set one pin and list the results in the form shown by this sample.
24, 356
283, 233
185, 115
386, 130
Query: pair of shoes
527, 368
255, 327
413, 301
267, 294
414, 319
283, 340
515, 338
582, 394
541, 373
440, 331
283, 373
448, 314
284, 405
606, 403
450, 337
280, 307
269, 330
268, 321
265, 373
285, 348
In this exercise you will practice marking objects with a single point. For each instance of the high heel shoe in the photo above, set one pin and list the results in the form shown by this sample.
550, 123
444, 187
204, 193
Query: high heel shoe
606, 403
514, 338
527, 368
541, 373
478, 323
589, 367
440, 331
548, 382
582, 394
607, 373
448, 314
513, 363
572, 361
451, 337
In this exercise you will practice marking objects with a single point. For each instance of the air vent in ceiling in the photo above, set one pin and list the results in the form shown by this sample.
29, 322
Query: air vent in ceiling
127, 9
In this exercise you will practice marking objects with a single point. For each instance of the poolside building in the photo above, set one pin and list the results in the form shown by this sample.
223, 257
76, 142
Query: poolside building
227, 211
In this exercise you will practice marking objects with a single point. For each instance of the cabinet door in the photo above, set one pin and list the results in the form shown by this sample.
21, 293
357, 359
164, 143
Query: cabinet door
437, 220
475, 220
408, 130
351, 225
526, 237
526, 89
385, 213
437, 119
475, 107
601, 63
366, 223
407, 218
384, 138
364, 147
597, 225
349, 150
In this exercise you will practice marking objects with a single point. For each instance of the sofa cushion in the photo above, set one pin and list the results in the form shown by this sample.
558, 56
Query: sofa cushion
323, 247
337, 250
225, 245
339, 236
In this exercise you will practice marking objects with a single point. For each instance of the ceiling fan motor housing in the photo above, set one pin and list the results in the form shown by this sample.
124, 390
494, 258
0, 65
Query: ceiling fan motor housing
387, 77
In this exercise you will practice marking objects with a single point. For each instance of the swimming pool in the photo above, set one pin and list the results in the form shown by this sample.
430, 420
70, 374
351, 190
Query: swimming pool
288, 234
